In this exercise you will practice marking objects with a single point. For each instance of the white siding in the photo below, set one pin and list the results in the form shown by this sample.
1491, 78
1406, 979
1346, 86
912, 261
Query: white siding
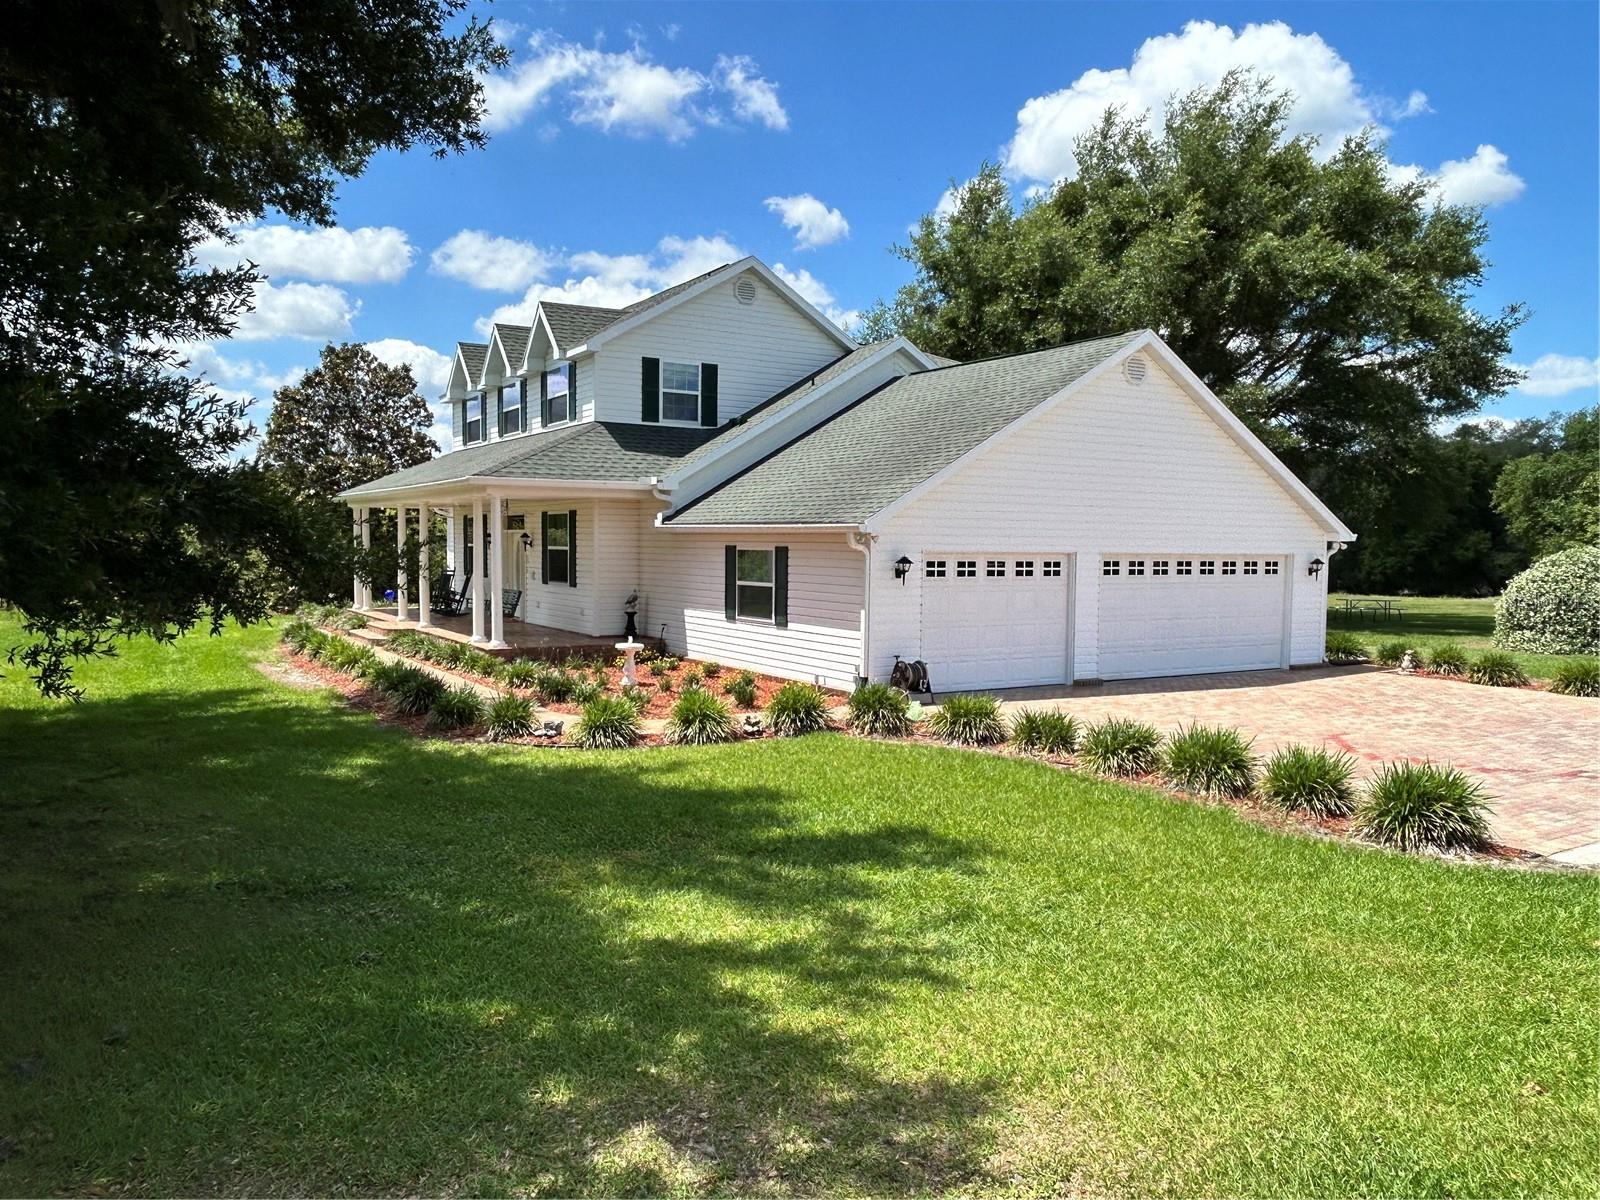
759, 349
607, 566
683, 575
1114, 468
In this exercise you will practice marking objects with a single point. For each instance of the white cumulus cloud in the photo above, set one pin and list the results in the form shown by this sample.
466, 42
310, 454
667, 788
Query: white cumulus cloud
626, 91
1484, 179
372, 254
1558, 374
1328, 102
496, 264
316, 311
618, 280
430, 368
814, 223
819, 295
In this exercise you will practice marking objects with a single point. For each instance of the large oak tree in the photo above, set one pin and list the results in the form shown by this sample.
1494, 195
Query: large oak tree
131, 131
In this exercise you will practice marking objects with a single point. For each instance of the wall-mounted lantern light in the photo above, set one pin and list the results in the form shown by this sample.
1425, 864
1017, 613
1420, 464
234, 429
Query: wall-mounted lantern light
902, 568
527, 540
1314, 567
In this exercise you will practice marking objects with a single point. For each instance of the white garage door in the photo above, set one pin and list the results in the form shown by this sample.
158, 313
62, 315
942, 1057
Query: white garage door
994, 620
1162, 614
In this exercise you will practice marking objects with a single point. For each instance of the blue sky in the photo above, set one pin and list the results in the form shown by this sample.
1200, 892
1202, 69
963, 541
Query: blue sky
637, 144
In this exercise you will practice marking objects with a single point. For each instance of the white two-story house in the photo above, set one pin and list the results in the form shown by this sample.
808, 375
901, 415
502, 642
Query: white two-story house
782, 499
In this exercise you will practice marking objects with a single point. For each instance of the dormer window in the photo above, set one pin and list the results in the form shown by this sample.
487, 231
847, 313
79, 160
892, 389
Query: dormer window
680, 392
511, 408
474, 418
557, 393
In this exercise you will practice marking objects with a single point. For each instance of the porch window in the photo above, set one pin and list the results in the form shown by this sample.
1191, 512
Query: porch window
754, 585
557, 548
680, 392
510, 409
556, 391
474, 425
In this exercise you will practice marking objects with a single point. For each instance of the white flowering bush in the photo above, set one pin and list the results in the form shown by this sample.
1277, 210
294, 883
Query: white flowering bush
1554, 606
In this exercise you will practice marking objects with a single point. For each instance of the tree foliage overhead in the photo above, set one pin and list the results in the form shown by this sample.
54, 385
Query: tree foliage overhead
121, 507
1325, 302
348, 420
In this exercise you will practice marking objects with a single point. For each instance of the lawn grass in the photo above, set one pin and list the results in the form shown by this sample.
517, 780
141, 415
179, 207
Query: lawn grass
1429, 621
257, 942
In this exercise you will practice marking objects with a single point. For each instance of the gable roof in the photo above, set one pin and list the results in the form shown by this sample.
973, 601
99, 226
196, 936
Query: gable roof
849, 468
468, 365
573, 324
610, 451
513, 341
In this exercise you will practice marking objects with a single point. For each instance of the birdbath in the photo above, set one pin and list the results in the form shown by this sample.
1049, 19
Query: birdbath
630, 674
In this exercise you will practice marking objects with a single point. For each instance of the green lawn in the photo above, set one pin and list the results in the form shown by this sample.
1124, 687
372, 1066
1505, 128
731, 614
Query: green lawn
255, 942
1429, 621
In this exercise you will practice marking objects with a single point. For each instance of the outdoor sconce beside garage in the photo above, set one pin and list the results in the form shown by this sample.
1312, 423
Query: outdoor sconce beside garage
902, 568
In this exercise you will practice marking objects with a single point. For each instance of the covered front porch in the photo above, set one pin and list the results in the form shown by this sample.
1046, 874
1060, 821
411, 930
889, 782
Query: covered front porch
523, 639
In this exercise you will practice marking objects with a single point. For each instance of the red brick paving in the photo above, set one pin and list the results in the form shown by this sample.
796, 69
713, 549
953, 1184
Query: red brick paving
1538, 754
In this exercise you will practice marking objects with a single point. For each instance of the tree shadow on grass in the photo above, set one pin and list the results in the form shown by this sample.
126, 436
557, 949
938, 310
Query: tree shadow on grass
352, 961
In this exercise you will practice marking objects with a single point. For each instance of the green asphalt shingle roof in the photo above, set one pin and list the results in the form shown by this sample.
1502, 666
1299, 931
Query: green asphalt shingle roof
605, 450
514, 340
575, 324
872, 453
472, 357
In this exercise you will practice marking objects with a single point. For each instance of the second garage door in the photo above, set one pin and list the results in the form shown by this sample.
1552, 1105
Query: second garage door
1166, 614
994, 620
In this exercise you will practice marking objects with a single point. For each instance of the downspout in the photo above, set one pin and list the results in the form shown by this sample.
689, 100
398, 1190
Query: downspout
861, 540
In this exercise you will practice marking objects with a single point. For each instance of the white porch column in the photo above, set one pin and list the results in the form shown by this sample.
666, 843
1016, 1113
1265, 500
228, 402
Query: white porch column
402, 597
357, 599
452, 556
497, 573
424, 567
475, 565
365, 520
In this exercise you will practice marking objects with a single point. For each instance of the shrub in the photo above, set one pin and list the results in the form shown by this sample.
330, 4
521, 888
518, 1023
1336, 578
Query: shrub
968, 721
384, 676
1554, 606
479, 662
1448, 659
448, 653
796, 709
638, 697
509, 716
522, 673
1044, 731
409, 642
296, 634
348, 658
556, 687
1344, 648
1496, 669
456, 708
607, 723
1580, 677
667, 662
1210, 761
742, 689
700, 719
878, 709
692, 678
413, 691
1413, 806
1310, 779
585, 690
343, 618
316, 645
1389, 654
1120, 746
711, 669
664, 684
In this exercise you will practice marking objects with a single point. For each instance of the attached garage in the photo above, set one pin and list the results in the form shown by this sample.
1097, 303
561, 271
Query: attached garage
1188, 614
995, 620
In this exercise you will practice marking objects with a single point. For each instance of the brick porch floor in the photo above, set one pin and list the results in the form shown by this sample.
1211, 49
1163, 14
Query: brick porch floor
1537, 754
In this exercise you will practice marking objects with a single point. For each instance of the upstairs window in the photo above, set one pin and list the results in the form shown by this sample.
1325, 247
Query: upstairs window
680, 392
557, 393
474, 418
510, 409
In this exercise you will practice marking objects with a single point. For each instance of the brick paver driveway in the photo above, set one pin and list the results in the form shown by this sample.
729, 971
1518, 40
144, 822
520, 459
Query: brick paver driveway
1536, 753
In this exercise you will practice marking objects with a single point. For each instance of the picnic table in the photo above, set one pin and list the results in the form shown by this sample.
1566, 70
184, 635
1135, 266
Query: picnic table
1379, 608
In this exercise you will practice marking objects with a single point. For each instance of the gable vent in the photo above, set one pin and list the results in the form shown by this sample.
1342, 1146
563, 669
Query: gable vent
1135, 369
745, 290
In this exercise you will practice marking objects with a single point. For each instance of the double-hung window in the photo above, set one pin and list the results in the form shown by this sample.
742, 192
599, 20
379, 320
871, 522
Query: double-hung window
557, 548
753, 585
557, 391
680, 392
511, 408
473, 425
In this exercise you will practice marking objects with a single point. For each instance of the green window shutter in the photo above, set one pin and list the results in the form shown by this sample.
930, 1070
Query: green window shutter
522, 395
708, 393
544, 399
572, 391
572, 547
499, 412
780, 586
544, 547
650, 390
730, 582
